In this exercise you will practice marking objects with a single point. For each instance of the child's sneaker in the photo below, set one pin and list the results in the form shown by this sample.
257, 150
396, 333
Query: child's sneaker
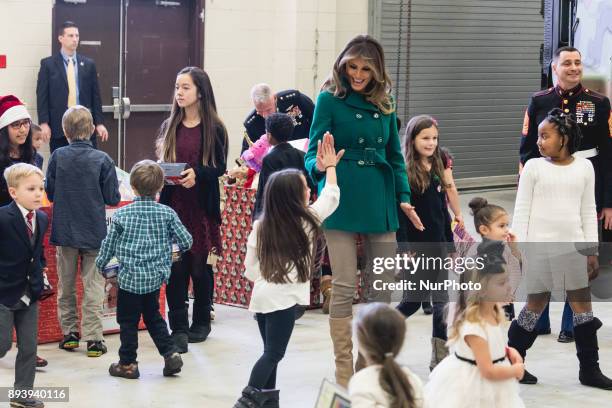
41, 362
27, 403
173, 364
95, 348
129, 371
70, 341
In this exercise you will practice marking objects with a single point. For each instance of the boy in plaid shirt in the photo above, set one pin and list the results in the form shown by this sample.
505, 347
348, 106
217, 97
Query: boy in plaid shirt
141, 237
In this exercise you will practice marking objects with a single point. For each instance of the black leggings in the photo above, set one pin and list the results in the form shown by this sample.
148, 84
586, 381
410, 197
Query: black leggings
192, 266
275, 329
412, 299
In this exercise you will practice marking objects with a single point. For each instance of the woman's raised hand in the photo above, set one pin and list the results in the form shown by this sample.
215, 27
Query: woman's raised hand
326, 153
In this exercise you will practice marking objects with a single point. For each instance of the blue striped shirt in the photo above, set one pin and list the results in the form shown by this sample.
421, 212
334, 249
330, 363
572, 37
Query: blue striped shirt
140, 237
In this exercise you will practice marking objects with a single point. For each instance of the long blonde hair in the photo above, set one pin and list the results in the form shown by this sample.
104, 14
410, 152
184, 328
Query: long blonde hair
467, 307
378, 90
211, 123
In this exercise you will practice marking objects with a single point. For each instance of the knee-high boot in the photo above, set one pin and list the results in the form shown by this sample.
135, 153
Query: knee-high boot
522, 340
587, 351
439, 351
341, 334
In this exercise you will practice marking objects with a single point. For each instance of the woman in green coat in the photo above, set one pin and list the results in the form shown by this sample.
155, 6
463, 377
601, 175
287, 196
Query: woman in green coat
356, 107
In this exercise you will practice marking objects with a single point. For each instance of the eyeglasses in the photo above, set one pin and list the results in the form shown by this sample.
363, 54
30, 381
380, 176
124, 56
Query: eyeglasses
17, 125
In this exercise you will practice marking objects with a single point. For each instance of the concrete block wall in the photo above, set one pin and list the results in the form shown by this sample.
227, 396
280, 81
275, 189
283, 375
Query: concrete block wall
286, 43
25, 40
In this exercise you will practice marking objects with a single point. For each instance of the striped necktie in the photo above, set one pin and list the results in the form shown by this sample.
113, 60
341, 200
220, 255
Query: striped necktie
29, 224
72, 89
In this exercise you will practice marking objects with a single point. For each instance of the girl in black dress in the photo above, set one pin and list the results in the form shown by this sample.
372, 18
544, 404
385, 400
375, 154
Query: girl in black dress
194, 134
428, 183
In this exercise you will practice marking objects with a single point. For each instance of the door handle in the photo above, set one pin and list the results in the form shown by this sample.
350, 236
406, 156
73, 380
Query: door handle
125, 108
116, 108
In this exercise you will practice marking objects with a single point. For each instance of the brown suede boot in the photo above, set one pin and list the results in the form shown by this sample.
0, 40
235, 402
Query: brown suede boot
326, 290
341, 334
438, 352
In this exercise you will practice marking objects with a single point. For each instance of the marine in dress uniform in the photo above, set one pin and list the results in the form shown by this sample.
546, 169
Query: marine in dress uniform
293, 103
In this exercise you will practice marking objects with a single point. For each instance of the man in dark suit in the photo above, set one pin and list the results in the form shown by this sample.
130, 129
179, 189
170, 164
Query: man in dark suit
292, 102
22, 261
279, 129
64, 80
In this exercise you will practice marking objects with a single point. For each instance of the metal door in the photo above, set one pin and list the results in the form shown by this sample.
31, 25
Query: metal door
138, 47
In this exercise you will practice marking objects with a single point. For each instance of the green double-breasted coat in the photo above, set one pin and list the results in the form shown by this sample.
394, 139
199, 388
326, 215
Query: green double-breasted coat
372, 174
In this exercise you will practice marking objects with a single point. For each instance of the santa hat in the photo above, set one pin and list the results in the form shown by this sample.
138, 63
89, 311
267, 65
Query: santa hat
11, 110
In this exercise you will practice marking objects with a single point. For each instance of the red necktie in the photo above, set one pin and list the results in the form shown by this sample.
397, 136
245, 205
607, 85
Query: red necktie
29, 224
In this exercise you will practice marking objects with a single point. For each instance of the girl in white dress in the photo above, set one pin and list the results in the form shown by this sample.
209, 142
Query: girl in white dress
480, 372
555, 215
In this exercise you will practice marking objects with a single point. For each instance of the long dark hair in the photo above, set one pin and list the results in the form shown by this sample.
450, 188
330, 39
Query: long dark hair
211, 122
282, 240
418, 177
378, 90
26, 151
380, 332
567, 127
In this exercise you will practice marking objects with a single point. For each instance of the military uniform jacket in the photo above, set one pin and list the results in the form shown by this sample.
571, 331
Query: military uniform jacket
592, 112
372, 174
293, 103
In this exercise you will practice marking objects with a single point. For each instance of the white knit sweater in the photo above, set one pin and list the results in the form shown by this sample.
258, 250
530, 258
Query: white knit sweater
556, 203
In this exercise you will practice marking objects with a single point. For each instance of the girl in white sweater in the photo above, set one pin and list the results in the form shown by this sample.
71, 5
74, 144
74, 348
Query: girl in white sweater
555, 214
280, 257
383, 383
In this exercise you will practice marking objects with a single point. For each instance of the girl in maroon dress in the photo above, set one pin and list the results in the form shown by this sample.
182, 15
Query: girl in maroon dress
194, 134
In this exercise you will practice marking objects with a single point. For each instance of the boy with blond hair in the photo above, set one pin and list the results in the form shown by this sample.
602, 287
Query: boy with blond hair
81, 181
22, 261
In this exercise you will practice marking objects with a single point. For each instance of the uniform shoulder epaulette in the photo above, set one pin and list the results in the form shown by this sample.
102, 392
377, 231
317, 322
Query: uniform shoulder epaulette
250, 118
544, 92
288, 94
594, 94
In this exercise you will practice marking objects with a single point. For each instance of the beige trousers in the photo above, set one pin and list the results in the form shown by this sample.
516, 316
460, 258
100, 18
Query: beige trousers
343, 258
93, 292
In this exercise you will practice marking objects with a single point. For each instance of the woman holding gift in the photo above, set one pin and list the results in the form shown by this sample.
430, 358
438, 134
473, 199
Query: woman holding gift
194, 134
356, 107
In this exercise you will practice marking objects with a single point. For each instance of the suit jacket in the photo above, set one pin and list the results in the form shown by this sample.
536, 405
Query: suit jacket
52, 91
21, 263
283, 156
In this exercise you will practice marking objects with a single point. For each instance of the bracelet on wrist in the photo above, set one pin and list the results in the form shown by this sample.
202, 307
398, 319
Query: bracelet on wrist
333, 165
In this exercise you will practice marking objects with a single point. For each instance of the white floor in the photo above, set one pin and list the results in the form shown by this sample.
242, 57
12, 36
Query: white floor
216, 371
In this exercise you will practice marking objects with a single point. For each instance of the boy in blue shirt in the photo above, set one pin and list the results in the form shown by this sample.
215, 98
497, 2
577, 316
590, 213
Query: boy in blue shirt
141, 237
80, 182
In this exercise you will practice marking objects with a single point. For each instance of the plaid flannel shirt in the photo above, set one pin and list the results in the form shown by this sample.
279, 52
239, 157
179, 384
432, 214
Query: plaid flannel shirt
141, 237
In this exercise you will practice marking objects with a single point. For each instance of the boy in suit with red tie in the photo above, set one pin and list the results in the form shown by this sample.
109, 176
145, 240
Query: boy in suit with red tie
21, 279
